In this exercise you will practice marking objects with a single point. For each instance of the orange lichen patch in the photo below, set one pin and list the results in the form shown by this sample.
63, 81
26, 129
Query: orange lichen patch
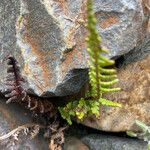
108, 21
72, 58
76, 35
28, 71
75, 56
63, 5
41, 60
79, 22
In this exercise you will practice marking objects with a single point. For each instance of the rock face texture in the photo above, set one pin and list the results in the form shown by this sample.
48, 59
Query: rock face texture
76, 137
134, 96
11, 119
89, 139
47, 39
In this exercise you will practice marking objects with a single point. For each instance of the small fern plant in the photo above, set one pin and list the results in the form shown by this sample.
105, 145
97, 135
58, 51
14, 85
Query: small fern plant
101, 77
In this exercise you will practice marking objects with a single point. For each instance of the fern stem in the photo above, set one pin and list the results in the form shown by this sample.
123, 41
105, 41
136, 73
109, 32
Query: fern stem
97, 77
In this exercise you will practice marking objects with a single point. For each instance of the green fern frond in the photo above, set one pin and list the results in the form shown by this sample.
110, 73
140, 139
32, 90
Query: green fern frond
101, 77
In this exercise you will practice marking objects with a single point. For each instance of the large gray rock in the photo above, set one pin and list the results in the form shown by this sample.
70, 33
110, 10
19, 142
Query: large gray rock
47, 38
87, 139
103, 142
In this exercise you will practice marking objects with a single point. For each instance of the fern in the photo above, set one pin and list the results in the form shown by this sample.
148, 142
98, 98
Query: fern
101, 77
144, 134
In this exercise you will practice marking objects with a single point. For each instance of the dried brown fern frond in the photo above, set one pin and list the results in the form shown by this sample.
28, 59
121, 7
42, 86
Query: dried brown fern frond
28, 129
15, 91
57, 137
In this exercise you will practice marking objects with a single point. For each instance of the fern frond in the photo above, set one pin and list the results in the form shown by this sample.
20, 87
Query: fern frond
101, 77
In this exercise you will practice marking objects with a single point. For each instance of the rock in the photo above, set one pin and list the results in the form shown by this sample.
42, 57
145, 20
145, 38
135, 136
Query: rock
12, 116
134, 97
88, 139
77, 137
47, 39
73, 143
103, 142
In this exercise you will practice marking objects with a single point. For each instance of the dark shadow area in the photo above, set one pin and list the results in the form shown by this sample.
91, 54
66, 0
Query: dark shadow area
138, 53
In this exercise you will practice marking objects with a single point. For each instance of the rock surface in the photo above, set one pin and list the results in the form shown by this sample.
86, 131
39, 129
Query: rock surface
77, 137
47, 38
134, 96
12, 116
87, 139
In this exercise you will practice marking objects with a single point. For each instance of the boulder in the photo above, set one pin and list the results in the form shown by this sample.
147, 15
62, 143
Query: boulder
101, 142
47, 39
88, 139
134, 97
